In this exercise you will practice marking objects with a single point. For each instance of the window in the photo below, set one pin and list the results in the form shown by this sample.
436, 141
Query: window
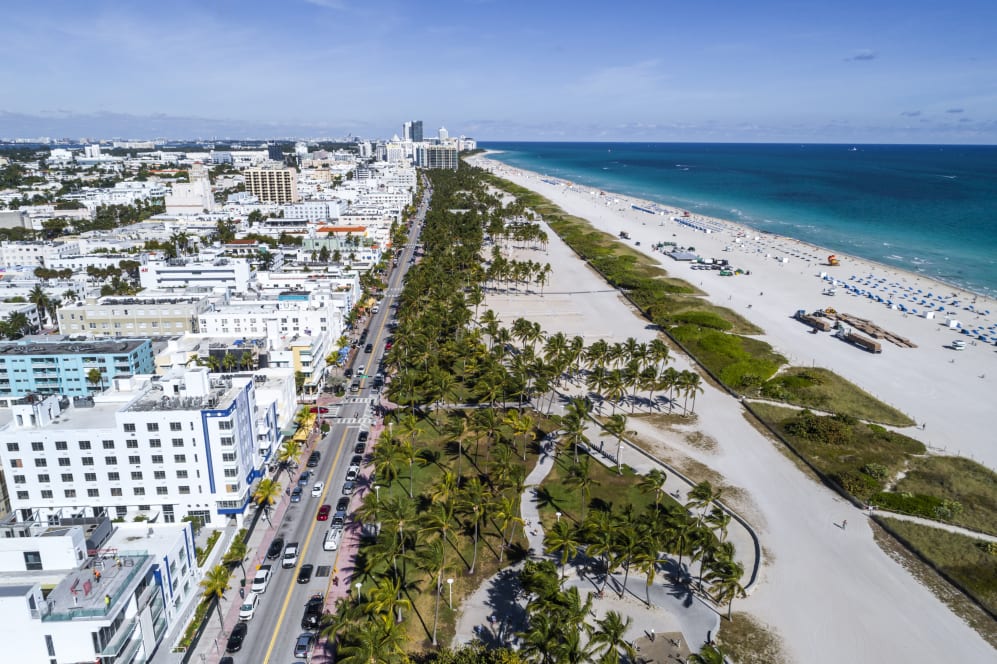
16, 463
131, 444
108, 444
152, 426
176, 426
228, 456
161, 490
41, 463
224, 425
136, 474
111, 460
134, 460
116, 492
227, 441
180, 458
93, 493
157, 458
20, 479
61, 445
32, 560
70, 493
183, 489
44, 478
130, 427
67, 477
113, 477
84, 444
37, 447
64, 462
231, 472
90, 477
178, 442
155, 443
46, 494
22, 495
139, 491
181, 474
13, 447
159, 474
87, 461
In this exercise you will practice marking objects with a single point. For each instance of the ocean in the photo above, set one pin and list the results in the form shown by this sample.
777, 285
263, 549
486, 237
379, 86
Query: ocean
929, 209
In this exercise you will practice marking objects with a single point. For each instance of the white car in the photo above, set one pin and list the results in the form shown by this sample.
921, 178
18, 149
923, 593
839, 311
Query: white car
248, 609
317, 489
262, 579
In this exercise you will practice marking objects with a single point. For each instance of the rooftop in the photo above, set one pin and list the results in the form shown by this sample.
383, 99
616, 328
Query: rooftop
116, 346
83, 595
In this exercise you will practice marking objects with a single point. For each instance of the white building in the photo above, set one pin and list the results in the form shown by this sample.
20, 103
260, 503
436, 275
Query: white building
192, 197
56, 609
313, 211
35, 254
183, 444
234, 274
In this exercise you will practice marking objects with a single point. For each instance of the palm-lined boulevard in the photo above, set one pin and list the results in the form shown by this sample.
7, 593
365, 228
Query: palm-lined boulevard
479, 404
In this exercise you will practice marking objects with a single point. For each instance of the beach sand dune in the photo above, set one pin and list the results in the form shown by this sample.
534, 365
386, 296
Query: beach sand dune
831, 594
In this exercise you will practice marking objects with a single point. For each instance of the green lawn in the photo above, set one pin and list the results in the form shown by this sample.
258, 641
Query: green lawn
959, 480
971, 564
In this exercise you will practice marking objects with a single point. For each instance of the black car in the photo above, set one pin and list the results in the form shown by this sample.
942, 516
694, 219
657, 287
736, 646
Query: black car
369, 348
364, 435
313, 612
348, 372
276, 548
305, 573
304, 478
343, 505
356, 460
313, 459
360, 448
236, 638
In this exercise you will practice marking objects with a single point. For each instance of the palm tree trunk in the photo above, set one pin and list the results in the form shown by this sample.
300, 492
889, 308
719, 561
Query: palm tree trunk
474, 556
436, 616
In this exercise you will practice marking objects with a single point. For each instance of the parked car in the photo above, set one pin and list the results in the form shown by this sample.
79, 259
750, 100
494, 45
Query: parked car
342, 504
331, 541
304, 644
237, 636
313, 459
305, 573
290, 558
321, 410
359, 448
304, 478
262, 579
317, 489
314, 608
348, 372
352, 472
296, 494
323, 513
338, 520
356, 460
276, 547
248, 608
348, 488
363, 436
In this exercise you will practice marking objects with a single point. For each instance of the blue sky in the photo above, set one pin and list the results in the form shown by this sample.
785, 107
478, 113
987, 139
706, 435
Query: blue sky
714, 70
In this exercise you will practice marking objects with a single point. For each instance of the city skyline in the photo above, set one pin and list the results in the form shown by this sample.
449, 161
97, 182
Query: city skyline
914, 72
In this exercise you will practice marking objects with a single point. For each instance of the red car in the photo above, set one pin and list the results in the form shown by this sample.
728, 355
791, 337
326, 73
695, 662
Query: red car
323, 513
388, 345
318, 409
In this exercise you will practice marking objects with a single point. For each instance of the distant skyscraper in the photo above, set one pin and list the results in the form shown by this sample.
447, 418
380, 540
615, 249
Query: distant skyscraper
444, 134
417, 131
275, 152
406, 131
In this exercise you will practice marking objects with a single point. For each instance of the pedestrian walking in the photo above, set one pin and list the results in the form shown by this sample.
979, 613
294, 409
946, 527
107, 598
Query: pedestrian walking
242, 593
844, 524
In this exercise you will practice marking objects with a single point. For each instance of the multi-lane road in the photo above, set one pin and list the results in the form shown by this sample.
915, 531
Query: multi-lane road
276, 626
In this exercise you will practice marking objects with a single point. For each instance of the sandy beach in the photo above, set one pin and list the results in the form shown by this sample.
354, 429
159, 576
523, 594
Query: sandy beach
831, 595
948, 391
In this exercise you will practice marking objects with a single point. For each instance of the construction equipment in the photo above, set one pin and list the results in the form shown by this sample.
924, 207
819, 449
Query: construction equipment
813, 320
833, 261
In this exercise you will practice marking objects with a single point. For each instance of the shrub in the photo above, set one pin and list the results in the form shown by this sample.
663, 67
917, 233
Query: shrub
858, 484
706, 319
909, 503
876, 470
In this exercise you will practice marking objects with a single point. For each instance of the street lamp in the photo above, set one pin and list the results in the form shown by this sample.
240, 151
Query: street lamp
450, 584
357, 586
558, 515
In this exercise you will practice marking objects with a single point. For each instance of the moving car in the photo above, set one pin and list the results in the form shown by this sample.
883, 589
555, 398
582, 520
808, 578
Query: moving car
331, 541
368, 348
304, 644
323, 513
290, 558
314, 608
276, 546
317, 489
248, 608
236, 638
262, 579
305, 573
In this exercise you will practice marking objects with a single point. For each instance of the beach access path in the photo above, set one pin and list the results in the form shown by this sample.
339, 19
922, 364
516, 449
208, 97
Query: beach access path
830, 593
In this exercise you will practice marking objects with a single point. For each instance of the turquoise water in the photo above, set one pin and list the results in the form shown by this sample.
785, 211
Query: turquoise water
927, 209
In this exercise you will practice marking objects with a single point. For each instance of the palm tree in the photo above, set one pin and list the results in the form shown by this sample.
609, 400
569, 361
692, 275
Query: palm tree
725, 580
702, 496
543, 638
616, 426
523, 427
708, 654
580, 476
385, 600
646, 559
287, 457
506, 512
95, 377
267, 494
236, 555
474, 500
610, 632
562, 537
38, 297
654, 481
385, 459
433, 559
214, 585
372, 642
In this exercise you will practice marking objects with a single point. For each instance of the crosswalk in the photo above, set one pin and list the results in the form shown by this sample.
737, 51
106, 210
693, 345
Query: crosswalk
355, 420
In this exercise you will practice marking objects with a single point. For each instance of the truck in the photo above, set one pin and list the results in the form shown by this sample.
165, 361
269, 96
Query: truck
624, 235
813, 320
865, 343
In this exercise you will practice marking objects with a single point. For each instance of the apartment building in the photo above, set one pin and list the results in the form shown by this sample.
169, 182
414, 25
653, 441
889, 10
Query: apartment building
145, 315
35, 254
272, 184
188, 443
437, 156
63, 367
233, 274
81, 589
